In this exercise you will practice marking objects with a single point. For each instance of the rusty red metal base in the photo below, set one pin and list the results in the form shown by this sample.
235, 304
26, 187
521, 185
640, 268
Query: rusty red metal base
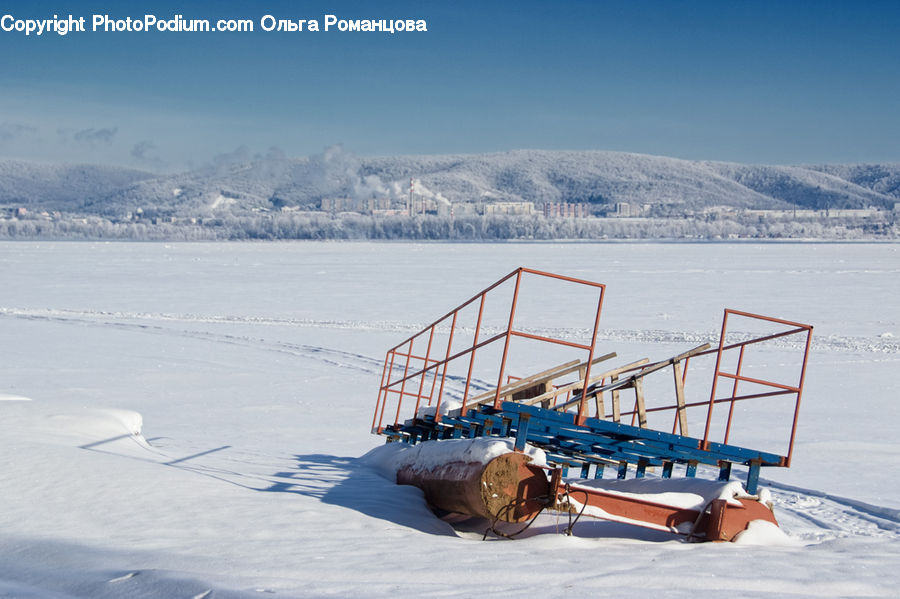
726, 520
719, 520
510, 488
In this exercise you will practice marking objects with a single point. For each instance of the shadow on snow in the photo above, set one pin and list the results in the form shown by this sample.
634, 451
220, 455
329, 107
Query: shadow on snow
347, 483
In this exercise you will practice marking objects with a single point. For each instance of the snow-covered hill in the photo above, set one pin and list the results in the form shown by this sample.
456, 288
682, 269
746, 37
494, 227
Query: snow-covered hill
61, 187
530, 175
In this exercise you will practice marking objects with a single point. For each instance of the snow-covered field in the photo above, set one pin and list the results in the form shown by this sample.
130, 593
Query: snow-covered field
185, 421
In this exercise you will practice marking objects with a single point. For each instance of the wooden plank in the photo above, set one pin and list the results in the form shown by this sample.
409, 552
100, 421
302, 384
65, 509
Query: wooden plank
523, 383
639, 403
617, 411
617, 383
601, 409
541, 377
580, 384
650, 368
646, 369
532, 391
681, 412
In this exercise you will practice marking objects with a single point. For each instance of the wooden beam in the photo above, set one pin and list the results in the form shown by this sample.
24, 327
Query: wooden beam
522, 383
617, 409
639, 403
534, 379
601, 409
681, 412
577, 384
628, 381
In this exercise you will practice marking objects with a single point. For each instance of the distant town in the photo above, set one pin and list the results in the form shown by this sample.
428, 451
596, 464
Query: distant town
517, 195
345, 219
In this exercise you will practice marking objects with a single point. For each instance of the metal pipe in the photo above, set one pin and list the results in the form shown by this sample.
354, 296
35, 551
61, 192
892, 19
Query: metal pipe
712, 393
384, 404
799, 394
718, 401
737, 380
463, 305
453, 357
550, 340
768, 318
509, 327
582, 412
403, 386
472, 354
437, 409
380, 390
757, 340
422, 381
747, 379
551, 275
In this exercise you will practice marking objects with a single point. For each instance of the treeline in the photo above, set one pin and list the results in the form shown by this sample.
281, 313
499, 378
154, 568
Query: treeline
318, 226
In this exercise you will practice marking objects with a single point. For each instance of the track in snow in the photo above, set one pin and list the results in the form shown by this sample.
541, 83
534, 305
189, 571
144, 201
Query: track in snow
834, 343
157, 324
814, 516
153, 324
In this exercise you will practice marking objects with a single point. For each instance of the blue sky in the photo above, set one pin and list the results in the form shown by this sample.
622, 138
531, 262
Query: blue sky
760, 82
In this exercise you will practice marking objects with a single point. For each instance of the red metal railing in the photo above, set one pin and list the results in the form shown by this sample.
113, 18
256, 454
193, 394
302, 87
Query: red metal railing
764, 388
778, 388
423, 373
415, 373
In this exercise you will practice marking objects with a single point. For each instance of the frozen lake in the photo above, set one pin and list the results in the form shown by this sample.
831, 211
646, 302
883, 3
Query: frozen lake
254, 367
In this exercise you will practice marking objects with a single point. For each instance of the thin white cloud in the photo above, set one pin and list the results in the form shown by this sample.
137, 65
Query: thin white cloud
96, 136
145, 153
14, 131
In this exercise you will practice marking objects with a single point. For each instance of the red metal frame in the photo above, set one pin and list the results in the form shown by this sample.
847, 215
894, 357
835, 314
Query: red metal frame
416, 366
419, 367
778, 389
795, 328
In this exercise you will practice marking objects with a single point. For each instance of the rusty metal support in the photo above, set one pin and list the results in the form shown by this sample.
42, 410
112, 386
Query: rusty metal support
582, 407
509, 330
719, 520
472, 354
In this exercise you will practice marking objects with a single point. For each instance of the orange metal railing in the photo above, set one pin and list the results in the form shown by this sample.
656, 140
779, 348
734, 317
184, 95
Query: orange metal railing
764, 388
416, 372
417, 368
778, 388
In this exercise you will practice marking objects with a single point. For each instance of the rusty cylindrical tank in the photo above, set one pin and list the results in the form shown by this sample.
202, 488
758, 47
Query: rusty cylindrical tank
507, 488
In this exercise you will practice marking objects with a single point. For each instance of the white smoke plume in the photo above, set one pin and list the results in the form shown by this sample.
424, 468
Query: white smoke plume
420, 190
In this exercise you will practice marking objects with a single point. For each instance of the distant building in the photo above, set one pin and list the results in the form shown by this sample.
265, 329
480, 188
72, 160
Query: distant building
623, 209
375, 204
509, 208
332, 204
566, 210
